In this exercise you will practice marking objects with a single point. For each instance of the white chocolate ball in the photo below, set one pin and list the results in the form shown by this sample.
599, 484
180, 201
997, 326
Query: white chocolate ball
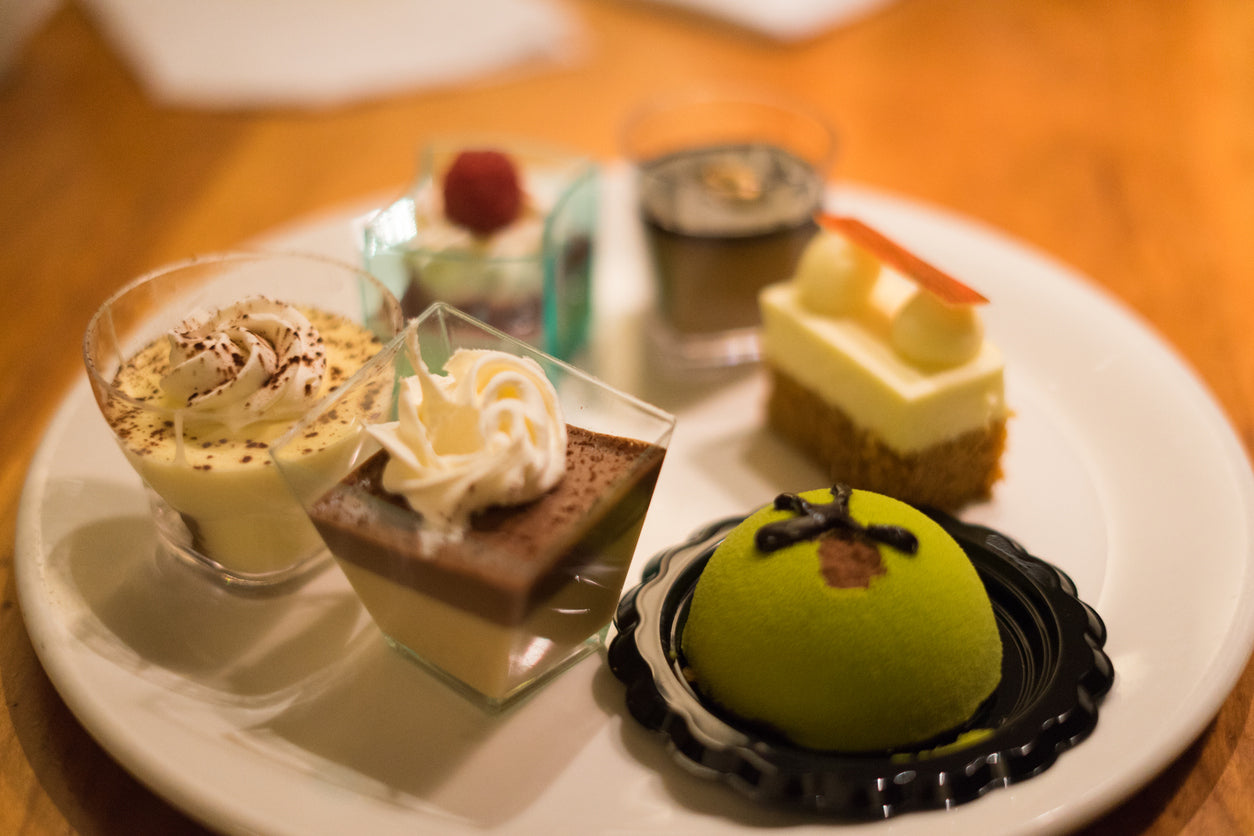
929, 332
834, 277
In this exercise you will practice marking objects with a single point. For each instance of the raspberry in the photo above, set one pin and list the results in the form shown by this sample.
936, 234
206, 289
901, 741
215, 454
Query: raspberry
481, 191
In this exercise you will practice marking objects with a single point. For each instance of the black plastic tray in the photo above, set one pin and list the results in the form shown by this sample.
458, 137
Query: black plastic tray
1054, 675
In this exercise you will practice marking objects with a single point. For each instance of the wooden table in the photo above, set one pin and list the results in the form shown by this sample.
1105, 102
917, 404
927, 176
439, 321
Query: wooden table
1117, 136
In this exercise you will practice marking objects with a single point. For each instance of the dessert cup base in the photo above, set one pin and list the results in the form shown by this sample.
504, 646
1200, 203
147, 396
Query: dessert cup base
515, 693
175, 537
713, 350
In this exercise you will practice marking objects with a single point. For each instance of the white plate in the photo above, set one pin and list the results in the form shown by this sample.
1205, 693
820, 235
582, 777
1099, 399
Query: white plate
288, 715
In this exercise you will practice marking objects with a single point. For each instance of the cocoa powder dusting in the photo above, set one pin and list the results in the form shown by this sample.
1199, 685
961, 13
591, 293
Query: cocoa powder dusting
849, 562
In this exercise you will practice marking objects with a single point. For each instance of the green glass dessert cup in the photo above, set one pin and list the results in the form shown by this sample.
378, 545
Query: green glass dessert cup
217, 501
532, 278
520, 592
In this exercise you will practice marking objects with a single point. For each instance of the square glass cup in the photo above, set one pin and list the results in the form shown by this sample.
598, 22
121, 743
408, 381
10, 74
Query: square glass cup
490, 617
728, 182
532, 280
216, 498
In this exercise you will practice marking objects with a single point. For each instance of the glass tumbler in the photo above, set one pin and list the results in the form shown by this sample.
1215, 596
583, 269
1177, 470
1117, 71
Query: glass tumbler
728, 183
217, 499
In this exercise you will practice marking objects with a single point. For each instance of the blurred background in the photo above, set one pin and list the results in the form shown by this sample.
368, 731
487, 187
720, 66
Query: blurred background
1118, 137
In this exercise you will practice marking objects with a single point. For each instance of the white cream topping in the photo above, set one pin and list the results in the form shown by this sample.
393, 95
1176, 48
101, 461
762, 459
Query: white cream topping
436, 233
255, 360
488, 432
927, 331
457, 265
849, 363
835, 276
889, 353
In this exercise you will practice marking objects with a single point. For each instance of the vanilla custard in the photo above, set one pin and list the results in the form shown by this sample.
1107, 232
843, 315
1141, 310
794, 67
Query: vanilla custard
206, 401
488, 538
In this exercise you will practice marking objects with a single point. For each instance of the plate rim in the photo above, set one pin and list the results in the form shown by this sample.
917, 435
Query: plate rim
1229, 658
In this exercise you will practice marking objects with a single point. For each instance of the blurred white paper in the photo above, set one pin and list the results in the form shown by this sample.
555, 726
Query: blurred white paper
19, 20
785, 20
321, 53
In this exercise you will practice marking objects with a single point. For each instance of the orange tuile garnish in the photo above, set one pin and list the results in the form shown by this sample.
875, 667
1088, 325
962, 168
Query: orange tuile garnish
948, 289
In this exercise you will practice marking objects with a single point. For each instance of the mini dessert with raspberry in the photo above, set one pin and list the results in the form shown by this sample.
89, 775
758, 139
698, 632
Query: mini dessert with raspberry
503, 233
880, 370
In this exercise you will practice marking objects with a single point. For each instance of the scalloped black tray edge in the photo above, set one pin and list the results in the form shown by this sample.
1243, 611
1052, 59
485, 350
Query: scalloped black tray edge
1054, 678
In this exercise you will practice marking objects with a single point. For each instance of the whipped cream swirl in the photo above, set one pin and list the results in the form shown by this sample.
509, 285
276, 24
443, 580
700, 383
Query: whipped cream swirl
255, 360
488, 432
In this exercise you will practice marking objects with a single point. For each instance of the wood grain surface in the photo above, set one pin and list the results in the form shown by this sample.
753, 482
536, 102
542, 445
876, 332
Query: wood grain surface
1116, 136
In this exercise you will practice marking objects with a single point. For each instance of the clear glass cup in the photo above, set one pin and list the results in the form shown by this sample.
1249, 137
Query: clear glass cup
532, 280
489, 617
216, 498
728, 183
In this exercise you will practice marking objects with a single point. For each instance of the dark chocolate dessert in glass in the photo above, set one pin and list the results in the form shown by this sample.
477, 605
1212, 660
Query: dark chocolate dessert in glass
727, 189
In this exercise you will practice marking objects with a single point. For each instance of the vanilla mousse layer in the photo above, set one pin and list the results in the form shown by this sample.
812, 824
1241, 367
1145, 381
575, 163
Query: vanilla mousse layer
522, 589
221, 480
849, 363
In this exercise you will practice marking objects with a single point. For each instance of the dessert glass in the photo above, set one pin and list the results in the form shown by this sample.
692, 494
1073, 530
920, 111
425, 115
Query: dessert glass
490, 623
531, 280
220, 504
728, 183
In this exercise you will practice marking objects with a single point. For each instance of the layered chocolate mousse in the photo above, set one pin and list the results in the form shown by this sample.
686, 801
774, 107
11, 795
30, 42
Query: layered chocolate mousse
488, 538
522, 585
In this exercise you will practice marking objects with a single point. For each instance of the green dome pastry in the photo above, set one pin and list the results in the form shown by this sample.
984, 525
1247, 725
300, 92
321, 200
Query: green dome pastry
862, 626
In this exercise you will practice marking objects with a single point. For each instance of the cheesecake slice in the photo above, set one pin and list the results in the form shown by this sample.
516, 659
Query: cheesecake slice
880, 370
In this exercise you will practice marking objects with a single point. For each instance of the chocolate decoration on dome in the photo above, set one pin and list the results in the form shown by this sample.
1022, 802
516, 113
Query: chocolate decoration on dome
812, 520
